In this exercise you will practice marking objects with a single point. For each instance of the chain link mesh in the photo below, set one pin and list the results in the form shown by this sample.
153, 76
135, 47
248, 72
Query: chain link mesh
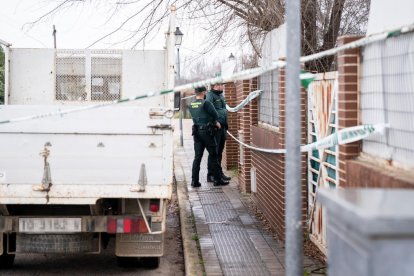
269, 98
106, 78
70, 77
92, 77
387, 96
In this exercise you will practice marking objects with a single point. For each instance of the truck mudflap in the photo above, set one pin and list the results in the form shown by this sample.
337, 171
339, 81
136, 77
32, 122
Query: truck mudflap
149, 244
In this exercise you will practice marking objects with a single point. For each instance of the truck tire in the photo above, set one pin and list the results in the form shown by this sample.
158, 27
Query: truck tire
6, 260
54, 243
150, 262
127, 261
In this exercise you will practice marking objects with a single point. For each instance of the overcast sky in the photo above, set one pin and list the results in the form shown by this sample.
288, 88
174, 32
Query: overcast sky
81, 26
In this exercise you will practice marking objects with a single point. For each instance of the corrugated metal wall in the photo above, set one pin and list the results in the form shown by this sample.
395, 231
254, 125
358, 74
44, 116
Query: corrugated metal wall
387, 96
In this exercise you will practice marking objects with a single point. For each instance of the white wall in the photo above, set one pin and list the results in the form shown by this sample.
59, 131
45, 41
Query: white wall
32, 76
386, 15
274, 45
143, 72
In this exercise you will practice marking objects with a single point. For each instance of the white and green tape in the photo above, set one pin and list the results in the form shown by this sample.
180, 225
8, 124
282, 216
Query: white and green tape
343, 136
253, 95
306, 78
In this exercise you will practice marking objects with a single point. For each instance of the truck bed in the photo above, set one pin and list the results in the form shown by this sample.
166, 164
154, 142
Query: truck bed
92, 154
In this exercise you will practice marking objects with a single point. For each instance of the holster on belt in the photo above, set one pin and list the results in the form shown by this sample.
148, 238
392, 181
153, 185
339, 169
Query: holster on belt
194, 130
211, 129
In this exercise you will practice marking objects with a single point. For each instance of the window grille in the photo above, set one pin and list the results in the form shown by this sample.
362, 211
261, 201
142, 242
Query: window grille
106, 78
269, 99
387, 96
88, 76
70, 78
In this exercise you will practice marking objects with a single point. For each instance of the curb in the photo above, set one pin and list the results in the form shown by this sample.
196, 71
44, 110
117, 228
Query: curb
193, 266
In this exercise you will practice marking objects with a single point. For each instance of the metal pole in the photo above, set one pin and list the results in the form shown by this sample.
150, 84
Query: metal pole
294, 255
54, 36
178, 63
181, 125
181, 103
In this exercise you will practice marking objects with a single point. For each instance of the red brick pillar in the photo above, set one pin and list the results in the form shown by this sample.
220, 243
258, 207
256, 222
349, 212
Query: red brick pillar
254, 107
281, 162
348, 66
247, 116
231, 151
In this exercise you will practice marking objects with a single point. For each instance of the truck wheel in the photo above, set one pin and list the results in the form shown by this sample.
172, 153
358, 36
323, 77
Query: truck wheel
127, 261
150, 262
6, 260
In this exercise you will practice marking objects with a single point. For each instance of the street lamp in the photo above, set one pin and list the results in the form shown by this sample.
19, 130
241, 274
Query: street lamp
178, 40
231, 57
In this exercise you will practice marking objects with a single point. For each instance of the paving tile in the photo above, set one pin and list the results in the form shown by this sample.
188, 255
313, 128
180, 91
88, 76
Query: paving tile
230, 238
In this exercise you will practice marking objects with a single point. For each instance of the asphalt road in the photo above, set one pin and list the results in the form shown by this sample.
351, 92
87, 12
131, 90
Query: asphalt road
105, 263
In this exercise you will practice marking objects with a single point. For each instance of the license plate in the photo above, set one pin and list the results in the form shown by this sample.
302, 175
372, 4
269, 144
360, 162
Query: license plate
50, 225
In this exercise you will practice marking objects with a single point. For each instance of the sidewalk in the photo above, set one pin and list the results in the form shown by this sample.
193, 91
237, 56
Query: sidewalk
231, 240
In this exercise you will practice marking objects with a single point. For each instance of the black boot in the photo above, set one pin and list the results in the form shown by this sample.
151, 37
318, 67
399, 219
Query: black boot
210, 178
195, 184
228, 178
220, 182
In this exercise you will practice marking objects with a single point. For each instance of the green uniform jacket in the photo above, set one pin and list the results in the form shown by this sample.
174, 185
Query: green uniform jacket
217, 99
203, 112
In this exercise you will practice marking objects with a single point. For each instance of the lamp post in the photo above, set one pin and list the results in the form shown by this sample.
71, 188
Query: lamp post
178, 40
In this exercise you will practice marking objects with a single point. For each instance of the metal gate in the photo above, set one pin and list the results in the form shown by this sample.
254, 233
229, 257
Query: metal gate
322, 164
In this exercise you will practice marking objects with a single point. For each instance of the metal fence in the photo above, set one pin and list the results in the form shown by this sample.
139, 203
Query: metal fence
88, 75
269, 99
387, 96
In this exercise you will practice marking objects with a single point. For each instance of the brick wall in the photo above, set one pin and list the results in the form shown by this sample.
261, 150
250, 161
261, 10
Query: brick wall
270, 191
270, 168
247, 116
369, 174
231, 152
348, 66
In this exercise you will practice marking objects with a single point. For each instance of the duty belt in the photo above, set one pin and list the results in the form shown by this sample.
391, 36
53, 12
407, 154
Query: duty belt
202, 127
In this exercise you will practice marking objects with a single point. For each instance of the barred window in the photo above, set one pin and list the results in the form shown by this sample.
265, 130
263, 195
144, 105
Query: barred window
387, 96
70, 78
269, 99
106, 78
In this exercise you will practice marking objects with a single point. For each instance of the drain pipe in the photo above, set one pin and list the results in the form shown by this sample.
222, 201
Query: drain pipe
293, 216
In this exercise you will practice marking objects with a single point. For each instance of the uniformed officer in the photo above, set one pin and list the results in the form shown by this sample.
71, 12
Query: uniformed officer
216, 97
205, 120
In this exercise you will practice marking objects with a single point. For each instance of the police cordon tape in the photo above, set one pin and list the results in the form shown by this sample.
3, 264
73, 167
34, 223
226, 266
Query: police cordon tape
245, 74
248, 99
343, 136
252, 95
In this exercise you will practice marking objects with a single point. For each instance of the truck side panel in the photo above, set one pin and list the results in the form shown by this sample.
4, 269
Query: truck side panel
92, 154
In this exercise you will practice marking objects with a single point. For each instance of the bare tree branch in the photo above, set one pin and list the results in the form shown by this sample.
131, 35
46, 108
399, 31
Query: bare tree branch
322, 20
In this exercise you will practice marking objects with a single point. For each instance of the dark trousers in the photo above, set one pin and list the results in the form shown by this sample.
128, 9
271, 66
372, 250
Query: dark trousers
220, 136
202, 140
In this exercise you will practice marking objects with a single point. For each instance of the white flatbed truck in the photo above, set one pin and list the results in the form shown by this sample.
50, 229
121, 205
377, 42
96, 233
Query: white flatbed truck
70, 183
